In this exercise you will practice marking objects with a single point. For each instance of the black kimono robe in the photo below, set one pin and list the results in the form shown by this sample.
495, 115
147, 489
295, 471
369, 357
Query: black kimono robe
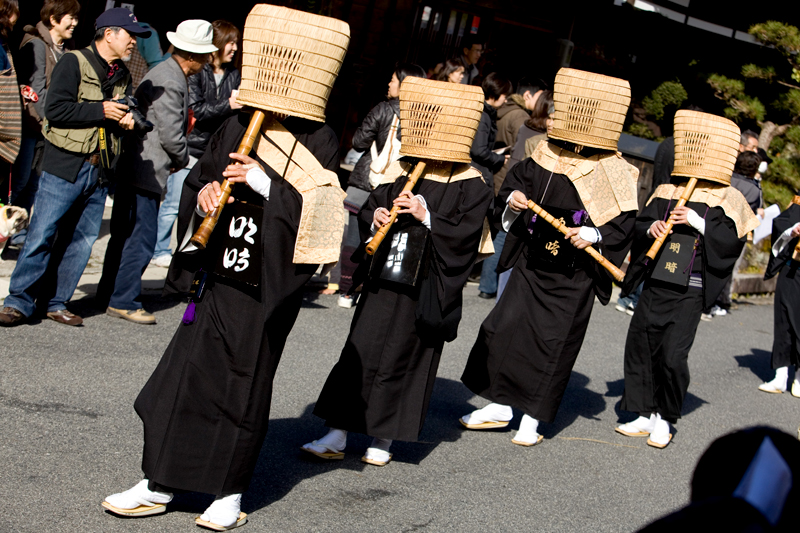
786, 329
205, 409
382, 383
528, 344
663, 327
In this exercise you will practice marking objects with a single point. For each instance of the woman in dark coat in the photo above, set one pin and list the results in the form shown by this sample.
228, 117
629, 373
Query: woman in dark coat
495, 89
374, 129
383, 381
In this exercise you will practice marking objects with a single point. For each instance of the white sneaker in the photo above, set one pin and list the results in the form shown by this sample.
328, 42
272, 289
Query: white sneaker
346, 301
162, 260
718, 311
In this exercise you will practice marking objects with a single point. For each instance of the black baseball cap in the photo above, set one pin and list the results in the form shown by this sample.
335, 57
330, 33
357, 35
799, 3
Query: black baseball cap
121, 18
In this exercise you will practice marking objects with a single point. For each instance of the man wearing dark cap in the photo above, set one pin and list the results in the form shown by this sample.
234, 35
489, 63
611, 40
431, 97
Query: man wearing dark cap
80, 122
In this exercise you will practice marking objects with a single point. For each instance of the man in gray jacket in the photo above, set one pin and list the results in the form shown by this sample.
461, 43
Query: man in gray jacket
144, 167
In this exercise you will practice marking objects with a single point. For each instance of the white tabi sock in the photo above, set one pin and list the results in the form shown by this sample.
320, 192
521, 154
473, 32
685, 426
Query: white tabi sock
224, 511
379, 450
494, 412
780, 379
641, 424
335, 440
661, 431
138, 495
528, 427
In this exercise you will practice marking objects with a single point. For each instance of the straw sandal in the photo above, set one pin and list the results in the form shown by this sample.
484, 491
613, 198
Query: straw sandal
523, 443
375, 462
660, 446
331, 454
216, 527
490, 424
142, 510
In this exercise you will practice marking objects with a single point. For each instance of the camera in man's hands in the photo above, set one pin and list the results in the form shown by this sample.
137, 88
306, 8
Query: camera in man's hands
140, 124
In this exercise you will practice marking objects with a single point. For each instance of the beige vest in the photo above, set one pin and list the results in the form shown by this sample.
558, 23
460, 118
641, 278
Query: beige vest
84, 140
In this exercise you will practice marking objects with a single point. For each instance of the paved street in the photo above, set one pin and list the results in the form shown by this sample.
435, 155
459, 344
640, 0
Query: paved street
70, 435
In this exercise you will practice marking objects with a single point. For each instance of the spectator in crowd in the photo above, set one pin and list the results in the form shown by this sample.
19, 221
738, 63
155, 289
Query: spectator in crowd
78, 106
749, 141
472, 50
147, 162
375, 129
535, 127
511, 116
495, 90
743, 179
41, 47
452, 71
145, 56
10, 105
212, 99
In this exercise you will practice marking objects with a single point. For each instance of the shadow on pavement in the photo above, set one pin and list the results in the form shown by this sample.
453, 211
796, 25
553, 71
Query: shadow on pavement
578, 401
281, 464
759, 363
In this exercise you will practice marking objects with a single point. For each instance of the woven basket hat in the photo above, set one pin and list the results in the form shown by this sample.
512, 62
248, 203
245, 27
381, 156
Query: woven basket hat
590, 108
706, 146
438, 120
290, 60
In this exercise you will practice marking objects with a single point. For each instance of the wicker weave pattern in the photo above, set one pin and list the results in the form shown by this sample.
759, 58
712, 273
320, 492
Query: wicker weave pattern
590, 108
706, 146
439, 119
290, 60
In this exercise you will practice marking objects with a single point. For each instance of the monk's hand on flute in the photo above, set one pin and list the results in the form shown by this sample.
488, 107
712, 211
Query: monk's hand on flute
796, 231
680, 215
208, 197
577, 242
518, 202
380, 217
657, 229
410, 204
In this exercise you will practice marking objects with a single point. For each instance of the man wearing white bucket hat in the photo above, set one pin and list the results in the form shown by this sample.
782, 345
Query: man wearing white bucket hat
147, 161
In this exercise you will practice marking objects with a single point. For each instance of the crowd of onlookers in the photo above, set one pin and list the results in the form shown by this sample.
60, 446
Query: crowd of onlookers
157, 112
116, 117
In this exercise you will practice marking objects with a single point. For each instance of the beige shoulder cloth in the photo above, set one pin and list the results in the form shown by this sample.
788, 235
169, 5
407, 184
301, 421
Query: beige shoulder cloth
319, 237
606, 183
732, 202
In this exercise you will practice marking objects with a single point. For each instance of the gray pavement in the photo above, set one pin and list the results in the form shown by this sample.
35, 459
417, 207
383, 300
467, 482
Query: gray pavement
70, 435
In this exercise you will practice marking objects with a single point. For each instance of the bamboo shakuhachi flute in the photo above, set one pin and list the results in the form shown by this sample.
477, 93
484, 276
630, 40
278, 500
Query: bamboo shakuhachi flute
687, 192
201, 236
618, 274
372, 247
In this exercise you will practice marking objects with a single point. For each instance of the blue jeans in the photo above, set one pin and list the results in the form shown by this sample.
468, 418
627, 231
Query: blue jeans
134, 222
488, 282
168, 211
24, 182
76, 211
632, 298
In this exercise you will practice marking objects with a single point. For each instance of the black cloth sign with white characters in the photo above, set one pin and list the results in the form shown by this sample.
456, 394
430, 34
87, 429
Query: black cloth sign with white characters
240, 248
403, 257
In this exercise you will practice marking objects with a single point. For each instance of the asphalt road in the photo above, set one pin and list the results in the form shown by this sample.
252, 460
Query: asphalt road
70, 435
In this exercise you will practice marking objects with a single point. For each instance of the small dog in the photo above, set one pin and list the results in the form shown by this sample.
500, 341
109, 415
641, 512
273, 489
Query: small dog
13, 219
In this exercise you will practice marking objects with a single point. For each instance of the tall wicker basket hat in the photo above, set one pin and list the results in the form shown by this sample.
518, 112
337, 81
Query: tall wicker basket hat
290, 60
590, 108
438, 119
706, 146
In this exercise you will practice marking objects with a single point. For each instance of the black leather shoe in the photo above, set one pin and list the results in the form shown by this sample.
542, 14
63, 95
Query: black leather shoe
486, 295
65, 317
11, 317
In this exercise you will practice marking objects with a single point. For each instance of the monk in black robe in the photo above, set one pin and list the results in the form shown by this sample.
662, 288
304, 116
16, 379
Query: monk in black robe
786, 333
383, 381
528, 344
663, 327
206, 407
